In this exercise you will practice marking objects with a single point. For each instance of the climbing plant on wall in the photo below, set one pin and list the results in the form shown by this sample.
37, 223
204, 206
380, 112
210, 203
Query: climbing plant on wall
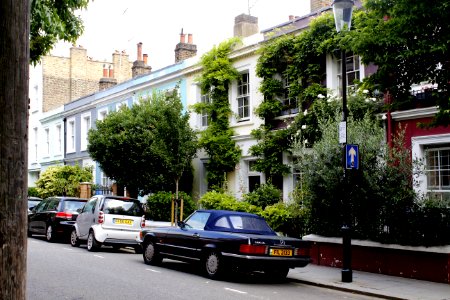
292, 68
217, 75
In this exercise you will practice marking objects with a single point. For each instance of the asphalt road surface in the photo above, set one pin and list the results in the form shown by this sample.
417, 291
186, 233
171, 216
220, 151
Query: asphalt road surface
59, 271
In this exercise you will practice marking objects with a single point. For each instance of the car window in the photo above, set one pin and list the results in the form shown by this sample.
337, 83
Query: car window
52, 204
72, 205
33, 203
40, 207
222, 222
197, 220
123, 207
249, 223
90, 205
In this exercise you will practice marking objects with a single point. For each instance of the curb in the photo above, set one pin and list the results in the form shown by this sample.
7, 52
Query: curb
345, 289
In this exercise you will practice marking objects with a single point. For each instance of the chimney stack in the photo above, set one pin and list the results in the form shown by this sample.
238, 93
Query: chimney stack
245, 25
185, 50
108, 79
317, 5
140, 65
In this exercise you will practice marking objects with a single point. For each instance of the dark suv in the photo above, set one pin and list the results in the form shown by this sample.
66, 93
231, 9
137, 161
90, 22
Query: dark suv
55, 217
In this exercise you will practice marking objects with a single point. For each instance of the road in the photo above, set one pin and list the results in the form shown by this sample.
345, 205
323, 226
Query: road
59, 271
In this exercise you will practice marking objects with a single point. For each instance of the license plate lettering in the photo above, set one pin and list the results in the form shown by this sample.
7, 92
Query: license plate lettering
123, 221
281, 252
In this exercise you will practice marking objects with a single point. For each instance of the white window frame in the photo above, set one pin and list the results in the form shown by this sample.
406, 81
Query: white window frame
243, 97
86, 124
47, 141
204, 116
287, 101
120, 104
353, 70
58, 138
419, 145
71, 134
102, 113
35, 146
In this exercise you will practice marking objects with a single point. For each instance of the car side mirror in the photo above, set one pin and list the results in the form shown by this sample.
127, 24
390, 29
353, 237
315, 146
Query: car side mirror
181, 224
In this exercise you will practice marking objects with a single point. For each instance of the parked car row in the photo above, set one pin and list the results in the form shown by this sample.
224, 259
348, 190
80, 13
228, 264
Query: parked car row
219, 241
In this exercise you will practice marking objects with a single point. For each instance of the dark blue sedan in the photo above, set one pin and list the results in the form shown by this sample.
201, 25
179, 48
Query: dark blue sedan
222, 241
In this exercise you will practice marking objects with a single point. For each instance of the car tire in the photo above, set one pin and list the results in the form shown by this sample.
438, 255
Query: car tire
49, 235
92, 244
151, 255
213, 265
138, 249
74, 241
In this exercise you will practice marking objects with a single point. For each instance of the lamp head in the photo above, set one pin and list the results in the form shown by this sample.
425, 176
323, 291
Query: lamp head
342, 10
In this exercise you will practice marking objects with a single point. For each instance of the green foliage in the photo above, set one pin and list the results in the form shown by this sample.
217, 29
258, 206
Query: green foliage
218, 73
407, 40
52, 21
33, 192
62, 180
159, 206
147, 147
265, 195
216, 200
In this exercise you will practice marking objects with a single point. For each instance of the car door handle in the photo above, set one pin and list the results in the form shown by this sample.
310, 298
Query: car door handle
196, 235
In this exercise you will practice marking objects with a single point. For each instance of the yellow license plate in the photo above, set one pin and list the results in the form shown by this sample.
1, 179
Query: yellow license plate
281, 252
123, 221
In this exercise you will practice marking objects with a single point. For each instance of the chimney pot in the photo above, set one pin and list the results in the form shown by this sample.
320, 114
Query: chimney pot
291, 17
111, 72
190, 38
139, 51
182, 38
105, 71
145, 58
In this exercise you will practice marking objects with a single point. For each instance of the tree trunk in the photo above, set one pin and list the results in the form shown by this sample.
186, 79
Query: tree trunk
14, 69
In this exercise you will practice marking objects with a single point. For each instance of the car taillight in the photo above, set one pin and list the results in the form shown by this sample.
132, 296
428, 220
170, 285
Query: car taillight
301, 252
143, 222
101, 217
253, 249
64, 215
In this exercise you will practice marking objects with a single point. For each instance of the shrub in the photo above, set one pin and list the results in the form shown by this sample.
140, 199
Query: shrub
264, 195
159, 206
63, 180
217, 200
33, 192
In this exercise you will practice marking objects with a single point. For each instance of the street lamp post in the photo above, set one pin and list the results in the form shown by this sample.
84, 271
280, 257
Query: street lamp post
342, 10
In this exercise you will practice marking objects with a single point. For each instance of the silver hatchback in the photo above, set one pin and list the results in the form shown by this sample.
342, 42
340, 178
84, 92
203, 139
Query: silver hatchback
109, 220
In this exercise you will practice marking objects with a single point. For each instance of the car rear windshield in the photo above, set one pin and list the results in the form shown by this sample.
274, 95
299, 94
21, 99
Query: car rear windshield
123, 207
73, 205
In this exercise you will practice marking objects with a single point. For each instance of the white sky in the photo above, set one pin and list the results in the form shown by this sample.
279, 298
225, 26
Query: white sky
121, 24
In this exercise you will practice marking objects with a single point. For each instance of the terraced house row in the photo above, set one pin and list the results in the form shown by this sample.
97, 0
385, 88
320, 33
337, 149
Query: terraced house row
68, 95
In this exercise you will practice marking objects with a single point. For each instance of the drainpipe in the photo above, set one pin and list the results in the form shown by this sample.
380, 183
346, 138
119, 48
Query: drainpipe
64, 141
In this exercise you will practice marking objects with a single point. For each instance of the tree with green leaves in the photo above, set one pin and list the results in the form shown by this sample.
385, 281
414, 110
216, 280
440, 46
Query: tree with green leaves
53, 21
147, 147
25, 35
62, 180
408, 40
217, 75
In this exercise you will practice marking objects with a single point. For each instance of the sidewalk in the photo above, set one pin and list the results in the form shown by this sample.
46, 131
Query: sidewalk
371, 284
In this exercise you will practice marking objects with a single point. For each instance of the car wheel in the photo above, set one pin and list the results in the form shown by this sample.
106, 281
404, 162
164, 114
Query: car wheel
74, 241
213, 264
138, 249
151, 255
277, 274
49, 234
92, 244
